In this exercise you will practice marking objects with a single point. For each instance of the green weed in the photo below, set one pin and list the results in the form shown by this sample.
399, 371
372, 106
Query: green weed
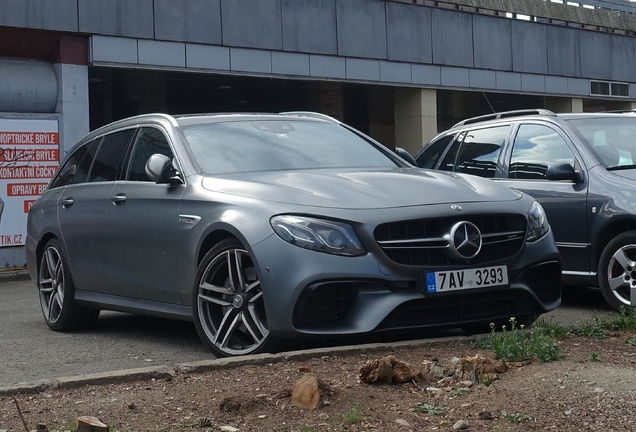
515, 344
353, 416
516, 417
430, 409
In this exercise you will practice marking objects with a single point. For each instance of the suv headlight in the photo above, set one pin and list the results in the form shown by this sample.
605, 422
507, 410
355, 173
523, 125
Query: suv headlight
537, 223
318, 234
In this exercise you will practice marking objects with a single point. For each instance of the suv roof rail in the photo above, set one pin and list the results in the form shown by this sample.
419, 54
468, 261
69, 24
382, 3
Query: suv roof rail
505, 114
625, 111
311, 114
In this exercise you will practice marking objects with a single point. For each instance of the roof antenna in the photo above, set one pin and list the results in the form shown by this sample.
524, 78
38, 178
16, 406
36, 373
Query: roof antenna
486, 97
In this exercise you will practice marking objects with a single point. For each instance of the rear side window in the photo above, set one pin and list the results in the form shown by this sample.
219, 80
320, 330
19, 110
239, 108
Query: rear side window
476, 152
535, 148
433, 152
109, 160
71, 171
149, 141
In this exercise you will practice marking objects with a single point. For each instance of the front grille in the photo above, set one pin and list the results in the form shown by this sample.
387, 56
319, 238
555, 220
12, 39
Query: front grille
545, 280
459, 309
325, 303
425, 242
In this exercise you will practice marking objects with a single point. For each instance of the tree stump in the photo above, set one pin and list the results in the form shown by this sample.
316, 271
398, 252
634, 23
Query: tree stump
90, 424
308, 391
388, 370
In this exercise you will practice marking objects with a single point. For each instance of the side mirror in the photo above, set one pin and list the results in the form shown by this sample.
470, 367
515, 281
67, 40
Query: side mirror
405, 155
160, 170
563, 172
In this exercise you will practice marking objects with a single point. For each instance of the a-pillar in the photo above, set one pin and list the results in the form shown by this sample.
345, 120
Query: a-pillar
415, 118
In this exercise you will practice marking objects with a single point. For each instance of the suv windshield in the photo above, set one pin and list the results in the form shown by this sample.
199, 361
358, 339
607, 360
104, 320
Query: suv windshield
267, 145
613, 139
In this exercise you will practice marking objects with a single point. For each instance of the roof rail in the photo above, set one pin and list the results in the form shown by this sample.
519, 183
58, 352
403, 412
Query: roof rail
505, 114
625, 111
311, 114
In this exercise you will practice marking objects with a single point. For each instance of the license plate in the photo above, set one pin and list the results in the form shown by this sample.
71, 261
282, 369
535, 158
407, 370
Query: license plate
451, 280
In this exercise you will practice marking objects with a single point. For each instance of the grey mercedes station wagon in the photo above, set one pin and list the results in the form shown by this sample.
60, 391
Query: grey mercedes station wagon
262, 227
580, 167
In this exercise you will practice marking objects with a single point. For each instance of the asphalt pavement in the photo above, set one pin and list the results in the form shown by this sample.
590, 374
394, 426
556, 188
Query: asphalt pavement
32, 356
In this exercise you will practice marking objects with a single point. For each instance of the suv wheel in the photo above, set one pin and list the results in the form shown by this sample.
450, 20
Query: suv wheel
617, 270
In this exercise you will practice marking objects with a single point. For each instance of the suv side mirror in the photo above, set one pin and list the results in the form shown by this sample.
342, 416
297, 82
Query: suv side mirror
160, 170
563, 171
405, 155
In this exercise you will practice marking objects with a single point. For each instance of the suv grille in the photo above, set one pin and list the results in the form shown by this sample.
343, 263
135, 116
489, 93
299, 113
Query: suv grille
425, 242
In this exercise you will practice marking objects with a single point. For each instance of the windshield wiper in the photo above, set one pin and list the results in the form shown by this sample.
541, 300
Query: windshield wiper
621, 167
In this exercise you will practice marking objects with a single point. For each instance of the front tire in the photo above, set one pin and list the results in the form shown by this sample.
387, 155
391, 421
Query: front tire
228, 304
617, 270
57, 292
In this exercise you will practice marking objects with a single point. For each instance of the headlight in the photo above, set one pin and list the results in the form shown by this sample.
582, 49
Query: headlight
537, 223
318, 234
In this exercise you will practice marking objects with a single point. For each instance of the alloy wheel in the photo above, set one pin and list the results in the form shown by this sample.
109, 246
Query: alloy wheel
230, 304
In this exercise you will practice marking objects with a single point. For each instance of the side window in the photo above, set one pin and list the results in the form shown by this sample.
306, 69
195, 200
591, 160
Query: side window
433, 152
110, 156
71, 169
535, 147
448, 163
149, 141
479, 153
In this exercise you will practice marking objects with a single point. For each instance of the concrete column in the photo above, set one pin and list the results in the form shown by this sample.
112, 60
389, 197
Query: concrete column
415, 118
72, 104
565, 105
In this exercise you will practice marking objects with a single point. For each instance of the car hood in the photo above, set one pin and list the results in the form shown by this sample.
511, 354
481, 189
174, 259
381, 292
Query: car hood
361, 189
628, 173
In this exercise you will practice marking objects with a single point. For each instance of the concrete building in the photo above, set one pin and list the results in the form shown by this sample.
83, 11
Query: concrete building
399, 70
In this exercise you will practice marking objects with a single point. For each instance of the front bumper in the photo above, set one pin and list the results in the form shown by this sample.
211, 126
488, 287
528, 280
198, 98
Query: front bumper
315, 294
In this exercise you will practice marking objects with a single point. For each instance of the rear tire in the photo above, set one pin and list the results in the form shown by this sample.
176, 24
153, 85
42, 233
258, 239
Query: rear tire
617, 270
228, 304
57, 292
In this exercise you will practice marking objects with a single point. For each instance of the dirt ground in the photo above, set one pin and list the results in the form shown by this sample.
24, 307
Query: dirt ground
592, 389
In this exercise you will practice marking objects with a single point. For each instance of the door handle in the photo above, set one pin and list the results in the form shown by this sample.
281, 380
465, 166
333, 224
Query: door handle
67, 202
119, 198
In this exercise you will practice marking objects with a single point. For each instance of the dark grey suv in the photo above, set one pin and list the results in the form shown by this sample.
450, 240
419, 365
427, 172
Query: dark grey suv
580, 167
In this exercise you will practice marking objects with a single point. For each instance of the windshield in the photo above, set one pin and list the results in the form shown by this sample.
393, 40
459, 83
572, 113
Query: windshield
268, 145
613, 139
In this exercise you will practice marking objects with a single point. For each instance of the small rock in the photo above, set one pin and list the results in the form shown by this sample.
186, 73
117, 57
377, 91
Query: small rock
443, 423
402, 422
262, 416
485, 415
465, 384
568, 412
599, 390
323, 416
229, 429
462, 424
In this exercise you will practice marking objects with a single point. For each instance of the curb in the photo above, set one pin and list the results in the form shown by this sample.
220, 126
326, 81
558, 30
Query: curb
14, 276
161, 372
